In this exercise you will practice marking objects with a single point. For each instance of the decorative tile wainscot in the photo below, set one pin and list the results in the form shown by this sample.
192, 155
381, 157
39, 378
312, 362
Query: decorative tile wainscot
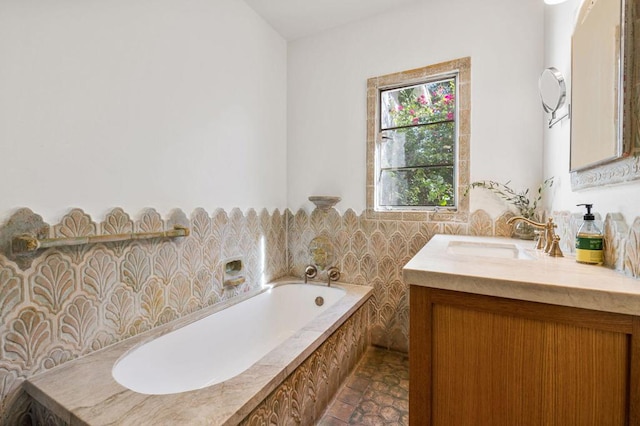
73, 301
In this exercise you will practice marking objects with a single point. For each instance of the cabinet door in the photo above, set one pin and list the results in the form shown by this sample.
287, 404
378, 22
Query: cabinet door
489, 361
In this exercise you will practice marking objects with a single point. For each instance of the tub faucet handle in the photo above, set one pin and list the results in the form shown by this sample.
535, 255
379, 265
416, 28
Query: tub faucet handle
310, 272
333, 274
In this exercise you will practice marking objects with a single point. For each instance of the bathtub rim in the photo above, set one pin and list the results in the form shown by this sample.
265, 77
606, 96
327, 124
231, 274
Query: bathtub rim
237, 300
63, 389
198, 315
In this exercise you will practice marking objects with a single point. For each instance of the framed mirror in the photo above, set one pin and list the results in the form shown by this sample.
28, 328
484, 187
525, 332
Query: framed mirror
602, 83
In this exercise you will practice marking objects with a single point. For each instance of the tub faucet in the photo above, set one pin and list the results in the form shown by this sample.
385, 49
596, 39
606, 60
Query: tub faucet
333, 274
310, 272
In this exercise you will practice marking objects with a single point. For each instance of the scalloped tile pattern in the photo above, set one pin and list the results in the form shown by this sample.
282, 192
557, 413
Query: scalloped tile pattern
75, 300
304, 395
372, 252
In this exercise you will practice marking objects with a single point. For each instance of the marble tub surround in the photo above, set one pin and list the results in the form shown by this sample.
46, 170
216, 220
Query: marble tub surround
72, 301
84, 392
539, 278
305, 394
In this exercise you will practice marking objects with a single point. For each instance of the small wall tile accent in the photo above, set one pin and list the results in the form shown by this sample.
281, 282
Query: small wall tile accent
632, 250
616, 232
305, 394
74, 300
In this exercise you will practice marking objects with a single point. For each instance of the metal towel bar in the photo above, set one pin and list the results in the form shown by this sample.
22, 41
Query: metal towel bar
28, 243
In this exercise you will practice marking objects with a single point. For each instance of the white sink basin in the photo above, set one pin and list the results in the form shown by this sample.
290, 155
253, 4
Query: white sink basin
487, 249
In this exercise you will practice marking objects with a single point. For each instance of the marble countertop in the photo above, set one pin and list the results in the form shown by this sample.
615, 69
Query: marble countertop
83, 391
538, 278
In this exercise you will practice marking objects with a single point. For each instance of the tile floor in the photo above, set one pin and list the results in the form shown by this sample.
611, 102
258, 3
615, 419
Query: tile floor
376, 393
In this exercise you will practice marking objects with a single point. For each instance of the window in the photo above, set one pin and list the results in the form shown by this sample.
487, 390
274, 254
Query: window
418, 139
416, 153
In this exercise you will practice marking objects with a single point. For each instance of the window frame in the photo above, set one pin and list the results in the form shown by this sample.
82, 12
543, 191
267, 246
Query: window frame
379, 169
461, 69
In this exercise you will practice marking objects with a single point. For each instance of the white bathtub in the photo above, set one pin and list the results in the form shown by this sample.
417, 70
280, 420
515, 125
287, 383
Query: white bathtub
84, 390
224, 344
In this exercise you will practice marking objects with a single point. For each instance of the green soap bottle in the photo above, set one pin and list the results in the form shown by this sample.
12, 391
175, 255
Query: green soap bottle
589, 240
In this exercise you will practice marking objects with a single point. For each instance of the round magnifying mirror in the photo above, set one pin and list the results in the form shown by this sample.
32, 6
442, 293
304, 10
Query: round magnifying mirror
553, 90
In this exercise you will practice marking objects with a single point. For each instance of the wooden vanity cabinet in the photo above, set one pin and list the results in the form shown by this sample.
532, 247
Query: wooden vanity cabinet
489, 361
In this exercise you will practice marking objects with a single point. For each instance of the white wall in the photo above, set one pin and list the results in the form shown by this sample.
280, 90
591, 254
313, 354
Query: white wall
327, 92
140, 103
623, 198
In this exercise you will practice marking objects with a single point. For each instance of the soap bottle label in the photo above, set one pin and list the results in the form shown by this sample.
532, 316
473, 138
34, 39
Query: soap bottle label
589, 249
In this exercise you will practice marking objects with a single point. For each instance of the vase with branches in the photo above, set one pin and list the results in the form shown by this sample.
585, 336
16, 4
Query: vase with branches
526, 202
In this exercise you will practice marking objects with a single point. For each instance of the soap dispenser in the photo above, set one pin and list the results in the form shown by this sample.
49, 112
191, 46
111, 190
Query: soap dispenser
589, 240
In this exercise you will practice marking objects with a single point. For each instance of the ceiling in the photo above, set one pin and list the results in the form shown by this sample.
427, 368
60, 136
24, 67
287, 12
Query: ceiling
299, 18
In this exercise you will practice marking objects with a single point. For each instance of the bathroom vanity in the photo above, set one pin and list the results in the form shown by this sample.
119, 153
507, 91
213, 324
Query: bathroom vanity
502, 334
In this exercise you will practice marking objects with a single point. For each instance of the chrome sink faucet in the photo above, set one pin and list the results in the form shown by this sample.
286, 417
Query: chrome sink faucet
548, 240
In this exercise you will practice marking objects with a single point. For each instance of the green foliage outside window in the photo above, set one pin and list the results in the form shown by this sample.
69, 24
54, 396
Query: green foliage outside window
418, 154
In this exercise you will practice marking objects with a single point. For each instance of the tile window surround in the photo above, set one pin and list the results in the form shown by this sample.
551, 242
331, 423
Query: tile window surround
75, 300
463, 95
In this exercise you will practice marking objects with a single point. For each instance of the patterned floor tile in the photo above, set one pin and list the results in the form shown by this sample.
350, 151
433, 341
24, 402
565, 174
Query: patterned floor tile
376, 393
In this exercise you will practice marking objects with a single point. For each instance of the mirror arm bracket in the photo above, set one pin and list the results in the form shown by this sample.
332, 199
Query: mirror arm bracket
553, 120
